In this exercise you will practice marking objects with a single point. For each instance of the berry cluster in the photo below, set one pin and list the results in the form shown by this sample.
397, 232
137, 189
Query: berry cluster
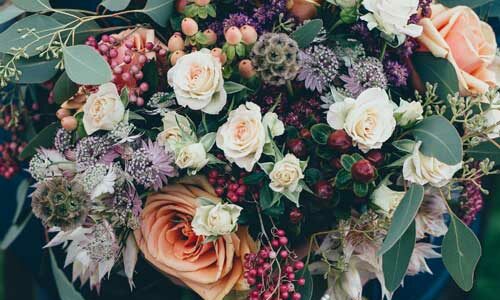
228, 186
272, 272
9, 151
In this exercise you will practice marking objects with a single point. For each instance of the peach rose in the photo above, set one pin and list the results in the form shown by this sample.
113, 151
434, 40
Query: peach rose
458, 35
168, 242
304, 9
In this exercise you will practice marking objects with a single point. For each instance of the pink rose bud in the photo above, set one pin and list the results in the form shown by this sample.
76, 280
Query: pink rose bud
246, 69
249, 35
175, 43
189, 27
69, 123
175, 56
217, 52
233, 35
211, 36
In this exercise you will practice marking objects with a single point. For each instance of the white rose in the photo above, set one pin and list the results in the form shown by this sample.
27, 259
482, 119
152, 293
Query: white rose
492, 117
346, 3
286, 175
386, 199
192, 156
422, 169
174, 125
368, 120
198, 83
391, 17
275, 125
408, 112
216, 220
243, 136
103, 109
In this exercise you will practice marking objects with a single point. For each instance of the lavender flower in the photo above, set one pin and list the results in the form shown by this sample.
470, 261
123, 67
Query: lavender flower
238, 20
397, 73
319, 67
151, 165
365, 73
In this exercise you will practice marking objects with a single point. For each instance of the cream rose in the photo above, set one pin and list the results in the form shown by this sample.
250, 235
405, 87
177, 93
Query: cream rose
408, 112
286, 175
368, 120
193, 156
216, 220
391, 18
422, 169
174, 125
386, 199
198, 83
469, 44
492, 118
243, 136
103, 109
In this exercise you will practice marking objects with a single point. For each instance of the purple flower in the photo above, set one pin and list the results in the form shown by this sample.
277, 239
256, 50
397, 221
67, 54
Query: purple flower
238, 20
319, 67
365, 73
397, 73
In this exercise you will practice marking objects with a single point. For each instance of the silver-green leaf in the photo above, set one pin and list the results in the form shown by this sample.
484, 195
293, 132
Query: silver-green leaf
65, 288
159, 10
115, 5
85, 66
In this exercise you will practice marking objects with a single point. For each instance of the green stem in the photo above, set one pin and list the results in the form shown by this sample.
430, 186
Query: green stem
337, 24
204, 121
384, 48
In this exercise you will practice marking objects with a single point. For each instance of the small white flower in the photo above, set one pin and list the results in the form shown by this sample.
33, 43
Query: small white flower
492, 117
192, 156
286, 175
422, 169
386, 199
175, 129
275, 125
216, 220
408, 112
198, 83
106, 185
368, 120
103, 109
391, 18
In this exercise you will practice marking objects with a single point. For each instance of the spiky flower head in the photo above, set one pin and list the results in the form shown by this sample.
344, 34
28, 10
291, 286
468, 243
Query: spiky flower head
48, 163
365, 73
60, 203
275, 58
151, 165
90, 149
125, 207
319, 67
62, 140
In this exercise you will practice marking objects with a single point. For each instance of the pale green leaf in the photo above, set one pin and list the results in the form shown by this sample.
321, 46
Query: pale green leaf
13, 232
307, 33
36, 70
65, 288
486, 149
85, 66
208, 140
32, 5
115, 5
159, 10
64, 88
10, 12
21, 195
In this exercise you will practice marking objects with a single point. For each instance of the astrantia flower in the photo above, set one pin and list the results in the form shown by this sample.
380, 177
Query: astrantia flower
430, 216
418, 262
62, 140
48, 163
151, 165
90, 149
60, 203
397, 73
98, 180
126, 207
319, 67
122, 133
365, 73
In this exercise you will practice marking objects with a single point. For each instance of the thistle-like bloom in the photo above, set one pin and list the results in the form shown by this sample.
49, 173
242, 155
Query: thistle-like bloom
98, 180
60, 203
319, 67
48, 163
151, 165
365, 73
89, 150
397, 73
62, 140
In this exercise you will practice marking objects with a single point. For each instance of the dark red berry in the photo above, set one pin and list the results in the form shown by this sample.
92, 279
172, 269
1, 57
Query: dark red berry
363, 171
323, 189
305, 133
295, 216
340, 141
376, 157
335, 163
297, 147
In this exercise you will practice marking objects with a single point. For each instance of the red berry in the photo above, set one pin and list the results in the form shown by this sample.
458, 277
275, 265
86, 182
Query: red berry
301, 281
305, 133
285, 295
323, 189
280, 232
297, 147
275, 243
241, 191
213, 173
296, 296
283, 240
363, 171
339, 140
295, 216
376, 157
335, 163
284, 254
299, 265
219, 191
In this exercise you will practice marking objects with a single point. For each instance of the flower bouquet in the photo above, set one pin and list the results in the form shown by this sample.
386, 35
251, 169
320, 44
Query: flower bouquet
253, 149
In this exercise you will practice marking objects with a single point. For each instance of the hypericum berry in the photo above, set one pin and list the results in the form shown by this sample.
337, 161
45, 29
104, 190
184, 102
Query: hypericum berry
189, 26
62, 113
233, 35
297, 147
295, 216
175, 56
217, 53
363, 171
376, 157
175, 43
69, 123
211, 36
249, 34
323, 189
340, 141
202, 2
246, 69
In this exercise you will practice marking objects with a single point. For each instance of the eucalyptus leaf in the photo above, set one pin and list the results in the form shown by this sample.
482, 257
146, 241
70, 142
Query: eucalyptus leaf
403, 216
439, 139
36, 70
44, 138
404, 145
64, 88
115, 5
21, 195
461, 251
484, 150
10, 12
32, 5
395, 261
159, 10
232, 87
65, 288
85, 66
307, 33
13, 232
306, 291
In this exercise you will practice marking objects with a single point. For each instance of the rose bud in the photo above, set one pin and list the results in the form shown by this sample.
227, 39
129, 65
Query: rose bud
181, 5
62, 113
211, 36
305, 133
249, 35
376, 157
189, 27
217, 52
295, 216
175, 56
363, 171
202, 2
304, 9
246, 69
175, 43
323, 190
233, 35
297, 147
335, 163
69, 123
339, 140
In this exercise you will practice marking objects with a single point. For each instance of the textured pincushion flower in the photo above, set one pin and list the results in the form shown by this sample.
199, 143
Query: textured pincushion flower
168, 241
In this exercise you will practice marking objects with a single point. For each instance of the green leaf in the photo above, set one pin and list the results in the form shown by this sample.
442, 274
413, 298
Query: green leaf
267, 167
85, 66
64, 88
44, 138
312, 176
21, 195
484, 150
320, 133
325, 153
10, 12
16, 37
395, 261
266, 197
32, 5
403, 216
436, 70
307, 33
159, 10
124, 97
208, 141
240, 50
307, 289
233, 87
360, 189
36, 70
132, 115
461, 251
404, 145
469, 3
65, 288
13, 232
439, 139
347, 161
343, 179
254, 178
115, 5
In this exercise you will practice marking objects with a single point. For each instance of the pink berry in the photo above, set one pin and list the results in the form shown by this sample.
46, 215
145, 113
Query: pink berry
299, 265
150, 46
301, 281
142, 59
189, 27
249, 35
296, 296
233, 35
283, 240
246, 69
211, 36
127, 59
275, 243
284, 254
139, 75
126, 76
144, 87
140, 101
280, 232
175, 43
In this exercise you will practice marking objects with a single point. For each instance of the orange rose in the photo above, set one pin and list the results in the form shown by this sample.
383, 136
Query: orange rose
168, 242
304, 9
458, 35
